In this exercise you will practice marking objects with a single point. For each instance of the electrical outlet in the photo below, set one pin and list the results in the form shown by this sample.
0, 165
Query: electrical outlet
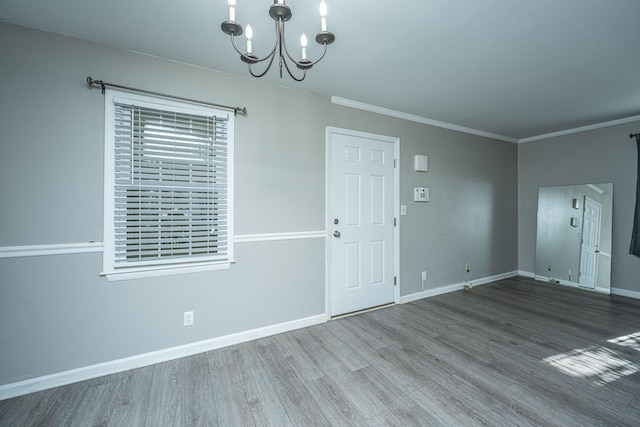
467, 268
424, 275
188, 318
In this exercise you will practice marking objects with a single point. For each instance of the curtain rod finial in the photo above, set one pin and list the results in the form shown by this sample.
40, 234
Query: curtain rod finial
91, 82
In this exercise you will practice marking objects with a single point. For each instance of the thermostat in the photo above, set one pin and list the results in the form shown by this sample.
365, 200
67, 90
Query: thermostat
420, 194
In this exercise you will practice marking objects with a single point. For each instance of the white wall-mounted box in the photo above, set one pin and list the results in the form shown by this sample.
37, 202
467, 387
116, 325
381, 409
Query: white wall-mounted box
420, 163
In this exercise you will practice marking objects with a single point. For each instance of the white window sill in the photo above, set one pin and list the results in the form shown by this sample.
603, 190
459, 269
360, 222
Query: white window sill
165, 270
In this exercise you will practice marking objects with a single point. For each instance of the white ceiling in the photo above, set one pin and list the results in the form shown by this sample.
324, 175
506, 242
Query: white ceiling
516, 68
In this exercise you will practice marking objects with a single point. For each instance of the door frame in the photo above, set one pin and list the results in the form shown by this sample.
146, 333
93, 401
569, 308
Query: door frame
597, 255
330, 130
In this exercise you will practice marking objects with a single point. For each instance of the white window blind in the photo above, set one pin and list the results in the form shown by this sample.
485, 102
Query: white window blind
171, 201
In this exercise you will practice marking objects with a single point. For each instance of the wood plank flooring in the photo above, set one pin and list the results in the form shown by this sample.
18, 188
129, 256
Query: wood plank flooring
512, 353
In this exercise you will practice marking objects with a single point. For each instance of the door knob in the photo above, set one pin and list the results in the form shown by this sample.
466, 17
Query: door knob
336, 234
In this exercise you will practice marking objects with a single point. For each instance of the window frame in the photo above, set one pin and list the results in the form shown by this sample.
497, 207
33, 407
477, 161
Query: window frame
170, 266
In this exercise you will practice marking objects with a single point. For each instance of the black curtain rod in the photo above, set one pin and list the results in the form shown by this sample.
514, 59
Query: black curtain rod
636, 135
103, 85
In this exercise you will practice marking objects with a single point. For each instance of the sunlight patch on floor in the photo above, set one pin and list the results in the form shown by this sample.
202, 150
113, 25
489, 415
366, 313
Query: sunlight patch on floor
600, 364
631, 340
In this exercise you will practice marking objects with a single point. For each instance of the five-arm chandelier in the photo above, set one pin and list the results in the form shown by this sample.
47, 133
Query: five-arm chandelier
280, 13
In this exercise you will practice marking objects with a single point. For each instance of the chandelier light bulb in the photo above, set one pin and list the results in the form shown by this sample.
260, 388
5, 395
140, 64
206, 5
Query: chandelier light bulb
323, 15
249, 34
232, 10
303, 43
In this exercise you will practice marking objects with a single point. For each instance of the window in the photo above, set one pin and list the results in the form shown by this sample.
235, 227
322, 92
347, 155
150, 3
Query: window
168, 187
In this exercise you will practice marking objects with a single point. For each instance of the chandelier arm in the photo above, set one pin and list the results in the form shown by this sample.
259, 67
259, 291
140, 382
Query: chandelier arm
312, 63
283, 60
285, 48
298, 79
254, 59
302, 64
322, 56
272, 56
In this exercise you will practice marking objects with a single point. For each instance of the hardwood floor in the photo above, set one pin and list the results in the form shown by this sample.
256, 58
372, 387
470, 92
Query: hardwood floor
515, 352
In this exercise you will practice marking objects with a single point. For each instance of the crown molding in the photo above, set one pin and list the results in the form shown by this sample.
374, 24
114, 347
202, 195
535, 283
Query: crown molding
418, 119
437, 123
580, 129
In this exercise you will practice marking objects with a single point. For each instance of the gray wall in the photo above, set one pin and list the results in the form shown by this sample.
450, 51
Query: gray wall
597, 156
472, 215
57, 313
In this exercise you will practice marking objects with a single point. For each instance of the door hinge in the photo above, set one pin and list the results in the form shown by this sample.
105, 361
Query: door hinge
395, 222
395, 281
394, 163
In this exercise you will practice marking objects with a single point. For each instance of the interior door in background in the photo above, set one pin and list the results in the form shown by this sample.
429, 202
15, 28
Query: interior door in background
361, 224
589, 247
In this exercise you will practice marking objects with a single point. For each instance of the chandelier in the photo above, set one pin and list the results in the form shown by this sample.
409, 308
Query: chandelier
280, 13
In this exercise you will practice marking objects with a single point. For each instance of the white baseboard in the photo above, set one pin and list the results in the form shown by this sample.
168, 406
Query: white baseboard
625, 293
566, 283
32, 385
528, 274
455, 287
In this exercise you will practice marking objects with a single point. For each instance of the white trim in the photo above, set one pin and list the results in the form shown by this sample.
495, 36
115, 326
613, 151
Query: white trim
605, 254
164, 270
580, 129
32, 385
91, 247
455, 287
272, 237
397, 216
625, 293
437, 123
553, 281
417, 119
574, 285
596, 188
58, 249
327, 213
528, 274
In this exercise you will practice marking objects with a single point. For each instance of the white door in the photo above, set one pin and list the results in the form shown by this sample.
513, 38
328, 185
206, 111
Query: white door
590, 239
361, 220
